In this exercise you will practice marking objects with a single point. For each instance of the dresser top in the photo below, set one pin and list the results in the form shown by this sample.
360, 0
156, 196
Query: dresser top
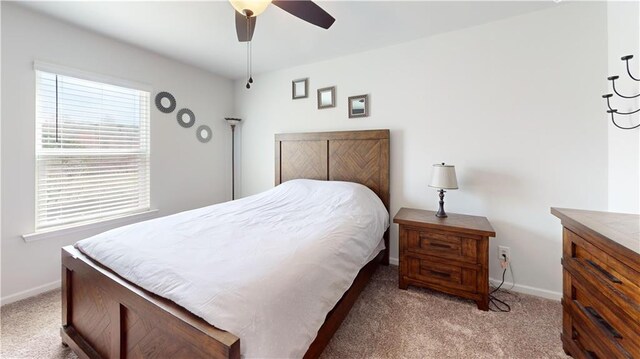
455, 222
620, 228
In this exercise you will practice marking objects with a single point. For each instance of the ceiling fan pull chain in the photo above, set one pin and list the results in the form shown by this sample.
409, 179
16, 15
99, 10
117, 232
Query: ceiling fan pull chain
251, 61
248, 54
248, 85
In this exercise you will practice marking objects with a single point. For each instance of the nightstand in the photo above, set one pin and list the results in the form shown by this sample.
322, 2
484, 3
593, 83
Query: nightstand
450, 255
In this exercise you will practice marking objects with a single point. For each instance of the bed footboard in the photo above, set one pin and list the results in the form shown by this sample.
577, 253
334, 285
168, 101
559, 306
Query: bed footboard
104, 316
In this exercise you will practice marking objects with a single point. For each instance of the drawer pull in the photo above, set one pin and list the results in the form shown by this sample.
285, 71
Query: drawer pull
439, 245
440, 274
590, 355
604, 323
609, 276
599, 320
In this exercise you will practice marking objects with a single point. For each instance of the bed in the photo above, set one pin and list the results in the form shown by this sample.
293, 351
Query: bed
104, 315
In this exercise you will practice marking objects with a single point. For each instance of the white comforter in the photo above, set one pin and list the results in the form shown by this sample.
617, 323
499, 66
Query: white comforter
267, 268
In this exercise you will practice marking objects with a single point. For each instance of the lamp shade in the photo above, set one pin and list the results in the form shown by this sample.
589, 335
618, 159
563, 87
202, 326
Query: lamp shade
255, 6
444, 177
233, 121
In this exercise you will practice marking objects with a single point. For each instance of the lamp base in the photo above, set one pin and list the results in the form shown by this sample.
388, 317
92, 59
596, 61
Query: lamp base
441, 213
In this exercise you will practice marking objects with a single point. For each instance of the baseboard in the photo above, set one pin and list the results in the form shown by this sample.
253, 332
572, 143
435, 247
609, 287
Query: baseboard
393, 261
525, 289
29, 293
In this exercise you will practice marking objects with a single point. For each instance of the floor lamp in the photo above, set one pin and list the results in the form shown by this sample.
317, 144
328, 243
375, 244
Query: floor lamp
233, 122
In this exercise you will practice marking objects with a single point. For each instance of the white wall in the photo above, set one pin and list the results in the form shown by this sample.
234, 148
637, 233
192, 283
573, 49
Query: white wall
514, 104
624, 145
185, 173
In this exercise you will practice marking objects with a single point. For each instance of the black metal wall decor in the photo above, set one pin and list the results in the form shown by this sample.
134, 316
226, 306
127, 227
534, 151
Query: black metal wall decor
172, 102
608, 96
191, 118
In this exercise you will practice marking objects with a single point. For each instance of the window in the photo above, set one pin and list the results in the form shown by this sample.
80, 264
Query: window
92, 151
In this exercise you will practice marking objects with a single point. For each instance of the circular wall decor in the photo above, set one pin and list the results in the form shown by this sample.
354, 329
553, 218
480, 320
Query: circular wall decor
165, 102
186, 118
204, 133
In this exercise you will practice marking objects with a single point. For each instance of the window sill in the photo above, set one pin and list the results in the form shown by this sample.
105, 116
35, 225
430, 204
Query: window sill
103, 223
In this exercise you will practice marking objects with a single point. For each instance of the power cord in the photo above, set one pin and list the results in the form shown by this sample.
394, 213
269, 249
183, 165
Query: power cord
500, 305
513, 279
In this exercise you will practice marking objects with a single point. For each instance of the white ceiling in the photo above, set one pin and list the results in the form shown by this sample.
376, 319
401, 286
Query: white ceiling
202, 33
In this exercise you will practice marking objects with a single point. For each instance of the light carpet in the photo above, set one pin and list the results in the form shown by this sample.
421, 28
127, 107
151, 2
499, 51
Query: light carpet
385, 322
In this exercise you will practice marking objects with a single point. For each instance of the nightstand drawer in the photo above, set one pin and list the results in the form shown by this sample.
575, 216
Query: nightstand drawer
443, 245
449, 276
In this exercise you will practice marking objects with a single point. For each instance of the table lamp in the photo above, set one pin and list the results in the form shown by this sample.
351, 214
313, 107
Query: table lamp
443, 177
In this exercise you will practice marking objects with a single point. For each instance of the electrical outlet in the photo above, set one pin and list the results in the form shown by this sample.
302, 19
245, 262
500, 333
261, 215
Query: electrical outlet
502, 250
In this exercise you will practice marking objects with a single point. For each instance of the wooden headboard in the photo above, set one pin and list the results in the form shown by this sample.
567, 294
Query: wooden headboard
354, 156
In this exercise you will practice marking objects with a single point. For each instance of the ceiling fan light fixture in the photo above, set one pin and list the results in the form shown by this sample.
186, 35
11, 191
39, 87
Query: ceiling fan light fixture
254, 7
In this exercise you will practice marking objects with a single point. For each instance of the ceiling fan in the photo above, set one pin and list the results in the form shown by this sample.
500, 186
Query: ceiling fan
247, 10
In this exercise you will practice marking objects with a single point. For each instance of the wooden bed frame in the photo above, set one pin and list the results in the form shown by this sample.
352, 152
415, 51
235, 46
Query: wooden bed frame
105, 316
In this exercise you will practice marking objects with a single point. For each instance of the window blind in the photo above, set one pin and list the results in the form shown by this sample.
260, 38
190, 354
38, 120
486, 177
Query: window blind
92, 150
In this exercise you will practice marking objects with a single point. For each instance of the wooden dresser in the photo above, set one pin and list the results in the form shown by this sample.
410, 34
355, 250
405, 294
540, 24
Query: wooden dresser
601, 284
445, 254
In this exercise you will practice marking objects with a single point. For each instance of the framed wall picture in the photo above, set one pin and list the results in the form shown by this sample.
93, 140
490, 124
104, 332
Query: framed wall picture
359, 106
327, 97
300, 88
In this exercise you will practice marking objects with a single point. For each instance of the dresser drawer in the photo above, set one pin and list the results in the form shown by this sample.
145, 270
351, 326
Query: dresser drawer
587, 344
614, 326
605, 272
445, 275
443, 245
587, 323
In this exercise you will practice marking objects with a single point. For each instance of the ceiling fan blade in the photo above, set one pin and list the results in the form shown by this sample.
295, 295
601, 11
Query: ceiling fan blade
306, 10
241, 27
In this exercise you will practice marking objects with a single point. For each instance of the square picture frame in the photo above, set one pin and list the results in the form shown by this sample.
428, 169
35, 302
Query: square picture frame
358, 106
300, 88
327, 97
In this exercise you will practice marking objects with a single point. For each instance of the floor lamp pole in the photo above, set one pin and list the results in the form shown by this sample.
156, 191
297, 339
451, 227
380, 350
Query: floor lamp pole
233, 122
233, 160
